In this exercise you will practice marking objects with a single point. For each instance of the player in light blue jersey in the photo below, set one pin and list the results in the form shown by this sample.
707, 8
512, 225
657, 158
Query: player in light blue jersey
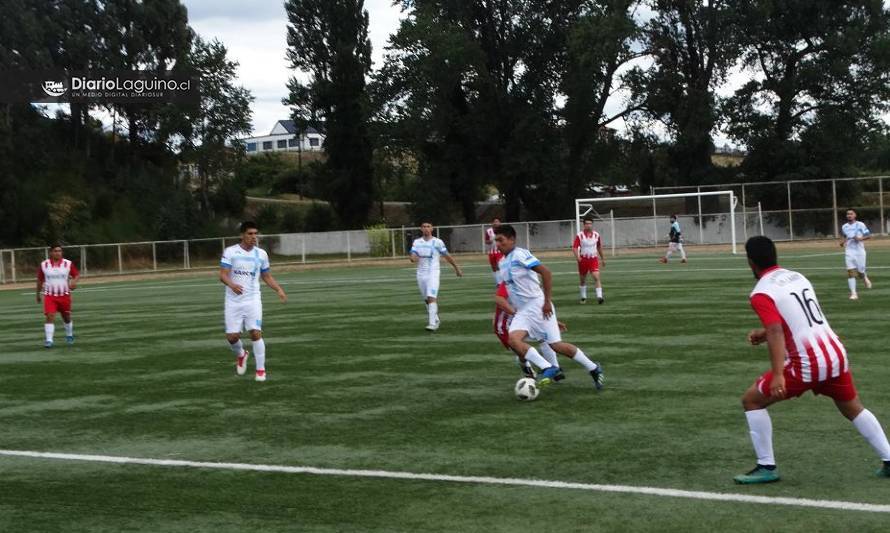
241, 268
855, 234
675, 236
425, 253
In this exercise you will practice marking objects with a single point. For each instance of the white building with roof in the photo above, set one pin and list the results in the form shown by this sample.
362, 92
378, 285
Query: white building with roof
284, 138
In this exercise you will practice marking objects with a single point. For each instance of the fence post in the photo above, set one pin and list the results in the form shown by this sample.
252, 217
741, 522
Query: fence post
83, 259
744, 214
881, 203
834, 206
46, 252
392, 242
484, 248
120, 260
185, 255
2, 270
760, 217
403, 240
655, 222
12, 263
790, 218
222, 241
701, 233
303, 247
154, 256
528, 238
612, 218
349, 247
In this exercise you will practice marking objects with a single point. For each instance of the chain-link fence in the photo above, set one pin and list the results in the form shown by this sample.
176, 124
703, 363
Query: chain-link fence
782, 211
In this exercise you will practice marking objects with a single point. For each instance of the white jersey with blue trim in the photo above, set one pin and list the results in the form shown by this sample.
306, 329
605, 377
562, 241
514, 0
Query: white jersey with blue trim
245, 268
428, 253
523, 283
851, 231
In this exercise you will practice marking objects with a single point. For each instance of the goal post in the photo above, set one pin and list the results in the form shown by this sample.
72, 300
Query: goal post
588, 206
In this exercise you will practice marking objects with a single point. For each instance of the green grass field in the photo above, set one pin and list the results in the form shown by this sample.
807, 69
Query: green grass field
355, 382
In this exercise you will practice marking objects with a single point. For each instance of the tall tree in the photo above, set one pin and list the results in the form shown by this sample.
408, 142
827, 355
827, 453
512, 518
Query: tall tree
328, 41
814, 61
693, 44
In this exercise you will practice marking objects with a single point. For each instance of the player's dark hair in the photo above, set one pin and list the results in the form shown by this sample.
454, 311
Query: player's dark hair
853, 210
762, 252
248, 224
588, 219
506, 230
674, 216
55, 245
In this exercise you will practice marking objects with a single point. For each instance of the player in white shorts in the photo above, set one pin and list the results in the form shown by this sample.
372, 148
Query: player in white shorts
241, 268
425, 252
675, 236
855, 235
535, 316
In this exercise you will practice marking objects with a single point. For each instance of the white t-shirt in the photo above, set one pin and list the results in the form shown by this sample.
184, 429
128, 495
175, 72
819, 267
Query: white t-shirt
523, 283
428, 253
851, 231
246, 267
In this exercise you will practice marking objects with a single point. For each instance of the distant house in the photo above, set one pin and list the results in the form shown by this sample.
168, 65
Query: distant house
285, 138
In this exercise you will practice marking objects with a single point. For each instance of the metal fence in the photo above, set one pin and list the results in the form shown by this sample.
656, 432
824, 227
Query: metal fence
774, 209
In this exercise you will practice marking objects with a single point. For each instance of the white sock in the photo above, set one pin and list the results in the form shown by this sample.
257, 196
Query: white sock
259, 354
49, 329
760, 426
599, 292
237, 348
69, 329
871, 429
533, 357
682, 252
583, 292
548, 354
433, 312
668, 254
852, 284
584, 361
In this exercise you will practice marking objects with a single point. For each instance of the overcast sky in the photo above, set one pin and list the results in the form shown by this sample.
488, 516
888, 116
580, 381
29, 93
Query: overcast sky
255, 34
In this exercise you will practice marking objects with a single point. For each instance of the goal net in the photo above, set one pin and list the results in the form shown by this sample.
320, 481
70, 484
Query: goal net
640, 221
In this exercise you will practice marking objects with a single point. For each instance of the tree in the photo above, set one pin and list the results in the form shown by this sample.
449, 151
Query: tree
328, 40
815, 61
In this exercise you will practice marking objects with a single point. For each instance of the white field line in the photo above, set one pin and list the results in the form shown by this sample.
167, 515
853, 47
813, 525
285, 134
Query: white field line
482, 480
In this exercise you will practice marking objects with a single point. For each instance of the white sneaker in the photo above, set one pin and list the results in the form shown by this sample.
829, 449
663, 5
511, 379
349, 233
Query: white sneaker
241, 363
867, 282
260, 375
854, 296
434, 326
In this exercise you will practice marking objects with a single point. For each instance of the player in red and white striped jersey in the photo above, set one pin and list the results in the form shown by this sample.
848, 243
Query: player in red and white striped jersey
56, 278
494, 255
805, 354
588, 250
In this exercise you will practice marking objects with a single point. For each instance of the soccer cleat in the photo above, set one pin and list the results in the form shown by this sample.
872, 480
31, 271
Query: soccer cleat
601, 301
551, 375
48, 344
241, 363
683, 261
854, 296
884, 471
598, 377
867, 282
528, 372
434, 325
582, 301
69, 339
760, 474
260, 375
662, 260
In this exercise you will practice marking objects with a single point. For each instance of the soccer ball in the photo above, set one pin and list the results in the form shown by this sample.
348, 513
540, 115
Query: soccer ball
526, 389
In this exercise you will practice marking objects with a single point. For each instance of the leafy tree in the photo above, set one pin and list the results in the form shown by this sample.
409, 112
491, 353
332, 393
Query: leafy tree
328, 40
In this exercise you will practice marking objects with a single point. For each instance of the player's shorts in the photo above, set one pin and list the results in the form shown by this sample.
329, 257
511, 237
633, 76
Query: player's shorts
244, 316
494, 258
674, 246
840, 388
429, 286
56, 304
588, 265
855, 261
531, 319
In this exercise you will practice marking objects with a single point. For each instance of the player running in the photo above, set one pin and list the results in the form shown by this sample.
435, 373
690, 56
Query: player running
535, 316
425, 252
805, 354
494, 255
855, 235
241, 268
588, 250
56, 278
676, 242
503, 314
